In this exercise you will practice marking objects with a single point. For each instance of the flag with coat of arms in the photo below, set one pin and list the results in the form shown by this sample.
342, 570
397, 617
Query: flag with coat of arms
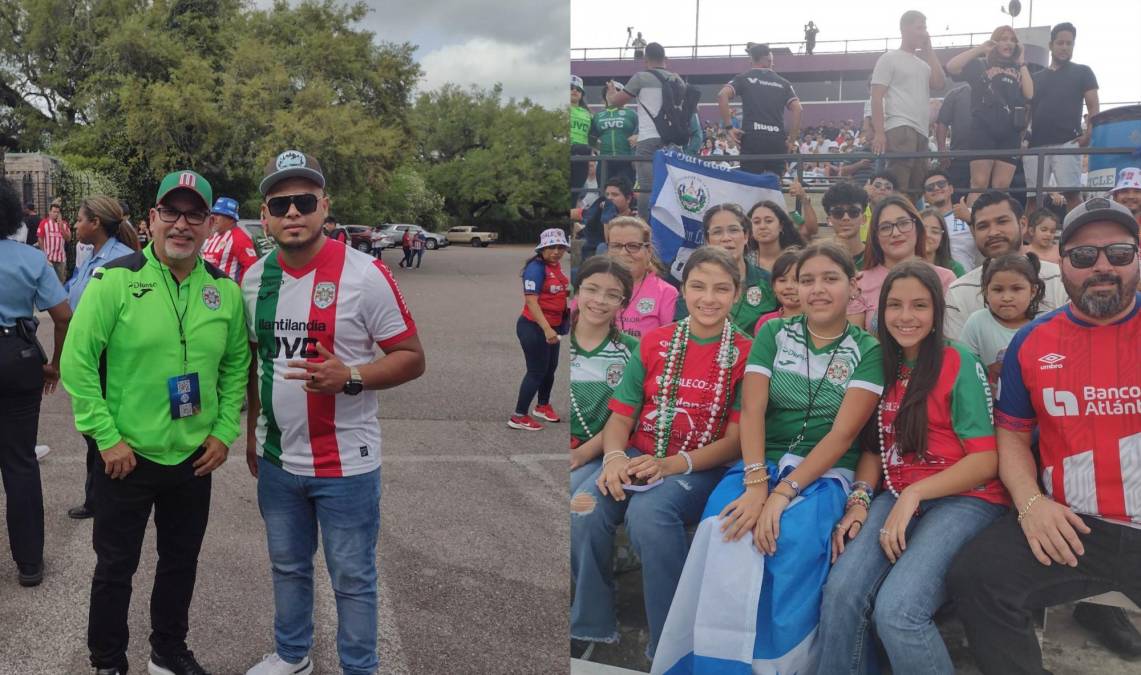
685, 187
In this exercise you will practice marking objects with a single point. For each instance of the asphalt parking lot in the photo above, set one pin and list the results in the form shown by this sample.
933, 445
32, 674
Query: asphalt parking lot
474, 532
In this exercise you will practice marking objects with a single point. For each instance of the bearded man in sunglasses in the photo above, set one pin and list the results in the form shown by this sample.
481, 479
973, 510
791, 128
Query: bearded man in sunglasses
997, 229
318, 310
155, 373
1076, 376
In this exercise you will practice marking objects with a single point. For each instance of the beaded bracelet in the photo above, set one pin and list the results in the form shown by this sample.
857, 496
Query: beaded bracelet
1025, 511
688, 462
860, 497
750, 468
757, 481
862, 485
611, 455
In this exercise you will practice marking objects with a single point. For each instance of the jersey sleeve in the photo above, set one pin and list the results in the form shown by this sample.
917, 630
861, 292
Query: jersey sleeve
789, 93
669, 303
1014, 410
735, 84
49, 292
869, 371
764, 349
628, 395
87, 338
233, 371
387, 318
533, 277
971, 404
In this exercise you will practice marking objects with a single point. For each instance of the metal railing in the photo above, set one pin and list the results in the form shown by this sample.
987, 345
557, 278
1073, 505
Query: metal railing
852, 157
737, 49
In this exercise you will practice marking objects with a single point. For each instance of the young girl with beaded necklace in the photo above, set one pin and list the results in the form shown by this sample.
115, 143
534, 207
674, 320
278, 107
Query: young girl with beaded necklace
727, 228
934, 447
673, 426
811, 383
598, 356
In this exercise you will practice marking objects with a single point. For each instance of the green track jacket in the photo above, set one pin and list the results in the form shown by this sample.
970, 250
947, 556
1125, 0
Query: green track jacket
128, 319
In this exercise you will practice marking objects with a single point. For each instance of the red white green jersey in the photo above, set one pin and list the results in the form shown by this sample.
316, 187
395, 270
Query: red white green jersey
348, 302
959, 422
799, 371
639, 393
593, 376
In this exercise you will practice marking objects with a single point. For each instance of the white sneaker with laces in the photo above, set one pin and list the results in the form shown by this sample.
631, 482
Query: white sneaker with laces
41, 452
272, 664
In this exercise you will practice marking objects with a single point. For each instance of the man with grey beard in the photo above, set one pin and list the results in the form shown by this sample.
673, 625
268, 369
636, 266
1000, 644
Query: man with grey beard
1075, 530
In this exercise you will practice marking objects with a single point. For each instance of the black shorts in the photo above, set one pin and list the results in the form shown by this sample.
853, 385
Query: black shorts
763, 143
995, 136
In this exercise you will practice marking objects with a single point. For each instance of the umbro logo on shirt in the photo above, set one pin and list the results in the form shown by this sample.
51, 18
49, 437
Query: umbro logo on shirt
1051, 361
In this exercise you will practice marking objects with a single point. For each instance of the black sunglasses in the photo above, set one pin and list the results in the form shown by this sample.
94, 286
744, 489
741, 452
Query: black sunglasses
1084, 257
838, 212
937, 185
279, 206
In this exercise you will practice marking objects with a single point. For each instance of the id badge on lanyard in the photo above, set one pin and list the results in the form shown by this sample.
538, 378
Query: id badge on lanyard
183, 390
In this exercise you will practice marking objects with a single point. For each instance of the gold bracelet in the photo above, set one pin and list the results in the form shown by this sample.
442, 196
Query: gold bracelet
757, 481
1026, 509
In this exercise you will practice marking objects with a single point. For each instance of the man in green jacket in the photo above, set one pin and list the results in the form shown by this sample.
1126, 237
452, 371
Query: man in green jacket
156, 373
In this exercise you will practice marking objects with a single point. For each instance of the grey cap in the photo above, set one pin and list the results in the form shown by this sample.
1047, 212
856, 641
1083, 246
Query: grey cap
1098, 209
290, 164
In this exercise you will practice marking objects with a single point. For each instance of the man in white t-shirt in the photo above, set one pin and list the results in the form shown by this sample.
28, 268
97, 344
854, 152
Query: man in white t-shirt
938, 191
647, 89
317, 310
901, 85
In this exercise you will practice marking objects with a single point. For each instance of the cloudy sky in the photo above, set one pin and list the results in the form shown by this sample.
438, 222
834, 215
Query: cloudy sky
519, 43
1106, 41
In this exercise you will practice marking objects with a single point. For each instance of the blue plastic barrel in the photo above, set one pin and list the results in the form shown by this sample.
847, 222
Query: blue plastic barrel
1115, 128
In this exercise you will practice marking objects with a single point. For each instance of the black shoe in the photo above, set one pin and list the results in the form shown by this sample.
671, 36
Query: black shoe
30, 575
581, 649
109, 671
177, 664
1112, 627
80, 512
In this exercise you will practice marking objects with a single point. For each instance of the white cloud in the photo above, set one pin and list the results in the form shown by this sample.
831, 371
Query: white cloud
523, 70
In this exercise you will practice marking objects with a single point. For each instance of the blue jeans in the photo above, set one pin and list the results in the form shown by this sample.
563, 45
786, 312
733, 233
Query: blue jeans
655, 522
347, 512
901, 599
588, 470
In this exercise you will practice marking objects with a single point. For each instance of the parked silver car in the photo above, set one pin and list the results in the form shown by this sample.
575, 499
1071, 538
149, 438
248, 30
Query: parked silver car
396, 232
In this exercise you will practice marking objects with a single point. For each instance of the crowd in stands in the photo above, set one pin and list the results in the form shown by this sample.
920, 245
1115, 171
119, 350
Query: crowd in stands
933, 406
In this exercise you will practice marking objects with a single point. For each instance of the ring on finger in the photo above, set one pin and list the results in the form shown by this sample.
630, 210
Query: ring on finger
884, 532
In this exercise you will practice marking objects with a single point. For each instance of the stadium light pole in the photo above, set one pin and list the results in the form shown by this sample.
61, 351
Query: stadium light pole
696, 24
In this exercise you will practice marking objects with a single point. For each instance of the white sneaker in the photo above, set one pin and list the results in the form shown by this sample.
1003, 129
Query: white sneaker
273, 664
41, 452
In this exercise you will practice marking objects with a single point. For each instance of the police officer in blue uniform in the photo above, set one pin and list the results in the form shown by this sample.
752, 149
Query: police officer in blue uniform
27, 283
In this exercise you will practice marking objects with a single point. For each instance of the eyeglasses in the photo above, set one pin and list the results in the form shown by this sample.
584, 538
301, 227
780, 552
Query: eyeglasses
279, 206
937, 185
904, 225
169, 215
839, 212
731, 231
598, 295
1118, 255
632, 248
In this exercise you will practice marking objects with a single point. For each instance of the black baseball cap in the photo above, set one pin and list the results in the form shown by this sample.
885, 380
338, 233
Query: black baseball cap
1096, 210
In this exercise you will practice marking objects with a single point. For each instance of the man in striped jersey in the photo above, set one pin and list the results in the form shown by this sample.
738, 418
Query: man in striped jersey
228, 248
53, 234
317, 311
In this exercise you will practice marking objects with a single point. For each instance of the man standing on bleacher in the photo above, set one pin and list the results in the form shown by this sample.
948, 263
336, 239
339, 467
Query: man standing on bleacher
1075, 375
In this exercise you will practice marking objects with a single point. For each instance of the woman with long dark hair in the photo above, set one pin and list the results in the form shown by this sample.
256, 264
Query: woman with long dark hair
934, 448
772, 231
897, 233
726, 227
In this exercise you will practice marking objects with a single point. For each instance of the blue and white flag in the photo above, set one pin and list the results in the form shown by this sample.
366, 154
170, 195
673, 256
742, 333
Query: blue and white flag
738, 612
684, 188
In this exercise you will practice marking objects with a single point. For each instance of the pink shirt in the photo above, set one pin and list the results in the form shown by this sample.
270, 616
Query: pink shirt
871, 281
652, 305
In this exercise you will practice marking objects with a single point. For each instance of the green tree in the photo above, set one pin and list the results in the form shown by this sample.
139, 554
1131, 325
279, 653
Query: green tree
483, 154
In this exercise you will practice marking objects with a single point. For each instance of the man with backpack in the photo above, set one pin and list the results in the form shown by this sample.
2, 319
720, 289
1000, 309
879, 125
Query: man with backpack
666, 105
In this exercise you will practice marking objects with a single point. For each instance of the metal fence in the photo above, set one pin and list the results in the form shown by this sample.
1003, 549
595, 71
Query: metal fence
820, 184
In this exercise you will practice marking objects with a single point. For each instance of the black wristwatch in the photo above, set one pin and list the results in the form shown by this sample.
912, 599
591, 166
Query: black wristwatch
355, 385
